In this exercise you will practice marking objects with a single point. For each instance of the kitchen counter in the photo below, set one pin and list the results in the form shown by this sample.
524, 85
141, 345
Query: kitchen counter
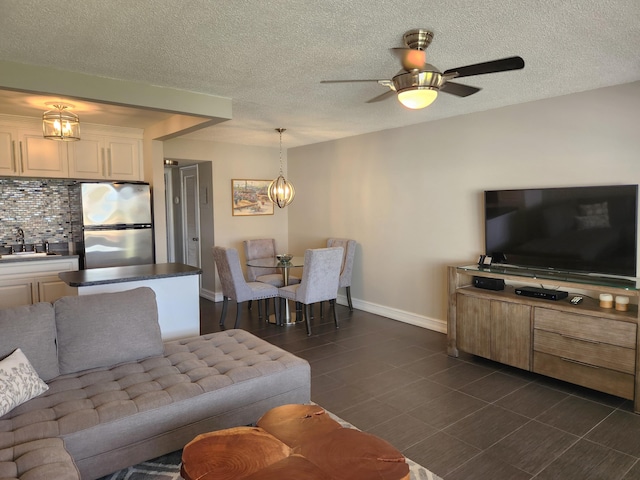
177, 288
109, 275
12, 258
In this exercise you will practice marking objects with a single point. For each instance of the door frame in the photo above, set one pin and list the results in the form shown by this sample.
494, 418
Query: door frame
188, 171
168, 199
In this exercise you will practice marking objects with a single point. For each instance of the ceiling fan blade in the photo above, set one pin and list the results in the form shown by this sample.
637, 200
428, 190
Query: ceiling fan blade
458, 89
495, 66
411, 58
347, 81
384, 96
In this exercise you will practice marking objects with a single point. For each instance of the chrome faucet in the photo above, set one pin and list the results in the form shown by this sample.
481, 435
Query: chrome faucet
20, 238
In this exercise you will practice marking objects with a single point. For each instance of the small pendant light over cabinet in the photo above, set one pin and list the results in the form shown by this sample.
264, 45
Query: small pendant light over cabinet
280, 191
60, 124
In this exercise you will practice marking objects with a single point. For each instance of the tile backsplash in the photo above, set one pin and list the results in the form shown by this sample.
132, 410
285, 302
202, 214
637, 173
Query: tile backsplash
41, 207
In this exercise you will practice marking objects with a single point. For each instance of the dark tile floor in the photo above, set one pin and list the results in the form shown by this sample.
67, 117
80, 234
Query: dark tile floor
462, 418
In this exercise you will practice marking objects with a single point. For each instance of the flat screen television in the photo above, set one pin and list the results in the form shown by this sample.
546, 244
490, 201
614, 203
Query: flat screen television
574, 229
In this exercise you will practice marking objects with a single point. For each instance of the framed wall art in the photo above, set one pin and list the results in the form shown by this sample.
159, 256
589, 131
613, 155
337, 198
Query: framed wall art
249, 197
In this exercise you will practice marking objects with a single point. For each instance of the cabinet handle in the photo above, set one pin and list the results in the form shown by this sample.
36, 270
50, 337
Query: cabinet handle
13, 155
570, 360
21, 167
109, 162
104, 167
595, 342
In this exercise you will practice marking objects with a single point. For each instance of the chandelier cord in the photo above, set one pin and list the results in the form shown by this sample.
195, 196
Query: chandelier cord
280, 130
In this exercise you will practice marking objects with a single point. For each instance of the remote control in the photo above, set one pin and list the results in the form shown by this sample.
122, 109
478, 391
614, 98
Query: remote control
576, 300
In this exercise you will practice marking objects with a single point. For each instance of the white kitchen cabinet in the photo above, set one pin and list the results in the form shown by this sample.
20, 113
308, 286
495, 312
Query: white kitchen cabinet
40, 157
8, 139
24, 152
99, 157
104, 152
15, 292
29, 282
51, 288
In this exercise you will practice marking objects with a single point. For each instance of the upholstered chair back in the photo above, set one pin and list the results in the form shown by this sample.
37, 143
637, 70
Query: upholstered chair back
259, 248
349, 247
321, 275
232, 279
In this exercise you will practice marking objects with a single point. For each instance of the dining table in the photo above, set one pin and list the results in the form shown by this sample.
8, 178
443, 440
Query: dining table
289, 317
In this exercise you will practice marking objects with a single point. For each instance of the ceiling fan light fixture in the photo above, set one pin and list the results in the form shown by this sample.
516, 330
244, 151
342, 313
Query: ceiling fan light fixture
417, 90
418, 97
60, 124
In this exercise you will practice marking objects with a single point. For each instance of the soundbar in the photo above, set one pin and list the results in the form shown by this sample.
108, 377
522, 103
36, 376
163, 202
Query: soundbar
543, 293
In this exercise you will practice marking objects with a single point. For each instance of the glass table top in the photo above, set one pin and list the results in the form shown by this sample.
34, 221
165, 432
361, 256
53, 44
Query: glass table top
273, 262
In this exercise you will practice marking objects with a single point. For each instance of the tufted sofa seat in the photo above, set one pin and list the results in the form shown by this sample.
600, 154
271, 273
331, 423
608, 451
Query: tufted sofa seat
103, 419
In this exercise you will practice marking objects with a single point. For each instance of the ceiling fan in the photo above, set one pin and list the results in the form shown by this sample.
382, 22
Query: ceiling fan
419, 82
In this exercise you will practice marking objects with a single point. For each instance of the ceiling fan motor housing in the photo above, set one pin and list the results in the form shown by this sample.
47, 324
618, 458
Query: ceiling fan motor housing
418, 39
412, 80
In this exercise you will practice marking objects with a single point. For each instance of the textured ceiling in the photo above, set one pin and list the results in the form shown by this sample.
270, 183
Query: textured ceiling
269, 56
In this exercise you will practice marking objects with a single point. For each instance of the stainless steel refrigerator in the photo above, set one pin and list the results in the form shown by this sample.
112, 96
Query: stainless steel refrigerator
117, 226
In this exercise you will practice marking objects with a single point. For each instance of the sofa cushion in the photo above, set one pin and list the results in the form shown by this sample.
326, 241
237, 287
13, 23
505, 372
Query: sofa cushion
31, 328
107, 329
19, 382
43, 459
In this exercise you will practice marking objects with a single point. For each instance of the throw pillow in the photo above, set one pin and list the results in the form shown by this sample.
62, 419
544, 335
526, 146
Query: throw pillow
33, 329
19, 382
106, 329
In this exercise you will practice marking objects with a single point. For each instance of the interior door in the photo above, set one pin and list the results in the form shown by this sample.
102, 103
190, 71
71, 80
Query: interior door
190, 215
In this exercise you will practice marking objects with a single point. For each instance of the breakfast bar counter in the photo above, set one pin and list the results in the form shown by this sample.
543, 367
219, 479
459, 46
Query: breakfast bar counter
130, 273
177, 288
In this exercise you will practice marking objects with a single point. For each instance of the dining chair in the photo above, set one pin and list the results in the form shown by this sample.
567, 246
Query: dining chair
320, 280
264, 248
346, 270
235, 287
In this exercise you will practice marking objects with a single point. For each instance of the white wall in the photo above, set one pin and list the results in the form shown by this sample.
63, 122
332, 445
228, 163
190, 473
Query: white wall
412, 197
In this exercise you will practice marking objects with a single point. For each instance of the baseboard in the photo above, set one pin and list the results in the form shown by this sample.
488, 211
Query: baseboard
393, 313
209, 295
434, 324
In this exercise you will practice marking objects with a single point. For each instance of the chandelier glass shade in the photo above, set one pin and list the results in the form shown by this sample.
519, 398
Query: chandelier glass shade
61, 124
281, 191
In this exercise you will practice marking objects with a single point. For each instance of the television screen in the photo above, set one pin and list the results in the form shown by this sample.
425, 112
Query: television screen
584, 229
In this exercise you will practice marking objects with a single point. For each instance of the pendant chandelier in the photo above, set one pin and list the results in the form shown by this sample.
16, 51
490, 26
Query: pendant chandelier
280, 191
60, 124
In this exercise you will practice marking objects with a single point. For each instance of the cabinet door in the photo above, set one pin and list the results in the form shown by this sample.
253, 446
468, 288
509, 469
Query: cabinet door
41, 157
14, 293
473, 332
52, 288
123, 158
7, 151
86, 158
511, 334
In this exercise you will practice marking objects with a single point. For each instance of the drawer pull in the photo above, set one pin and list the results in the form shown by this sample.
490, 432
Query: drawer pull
595, 342
579, 363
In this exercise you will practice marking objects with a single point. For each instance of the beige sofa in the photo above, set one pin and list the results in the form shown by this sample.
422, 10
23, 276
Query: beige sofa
117, 395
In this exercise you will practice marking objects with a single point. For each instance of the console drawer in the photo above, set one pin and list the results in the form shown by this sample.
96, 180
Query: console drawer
601, 379
589, 352
586, 327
